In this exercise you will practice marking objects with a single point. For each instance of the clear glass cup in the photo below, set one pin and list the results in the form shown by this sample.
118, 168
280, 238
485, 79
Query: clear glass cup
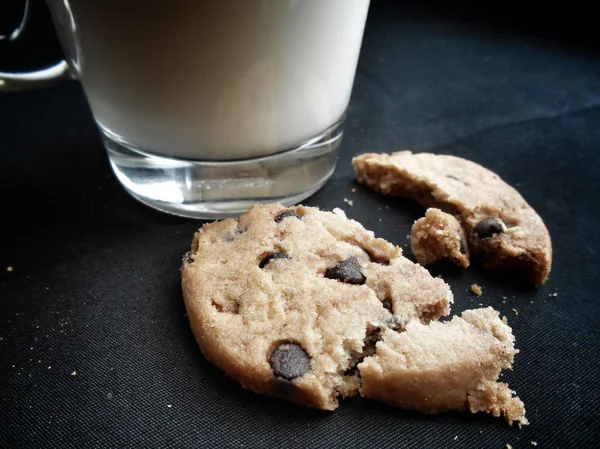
209, 106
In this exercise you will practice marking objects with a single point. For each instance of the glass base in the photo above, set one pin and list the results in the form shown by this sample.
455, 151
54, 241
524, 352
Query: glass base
220, 189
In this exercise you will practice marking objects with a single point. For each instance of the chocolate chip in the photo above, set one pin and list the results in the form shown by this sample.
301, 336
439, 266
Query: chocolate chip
488, 227
187, 258
265, 260
387, 305
289, 361
347, 271
285, 214
463, 243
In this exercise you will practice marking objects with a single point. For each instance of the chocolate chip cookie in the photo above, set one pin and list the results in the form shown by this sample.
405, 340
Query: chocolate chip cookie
438, 236
288, 300
304, 305
502, 229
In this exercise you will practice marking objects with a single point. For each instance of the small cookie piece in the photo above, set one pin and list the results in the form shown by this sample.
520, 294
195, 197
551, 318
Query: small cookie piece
476, 290
287, 301
439, 236
501, 228
446, 366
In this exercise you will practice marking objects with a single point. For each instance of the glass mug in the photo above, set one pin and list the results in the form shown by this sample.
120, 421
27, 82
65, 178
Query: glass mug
206, 107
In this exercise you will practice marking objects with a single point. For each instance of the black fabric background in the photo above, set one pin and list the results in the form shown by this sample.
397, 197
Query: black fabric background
95, 287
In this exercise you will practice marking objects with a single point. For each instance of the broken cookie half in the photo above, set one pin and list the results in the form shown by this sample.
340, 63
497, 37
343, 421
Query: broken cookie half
446, 366
501, 228
308, 305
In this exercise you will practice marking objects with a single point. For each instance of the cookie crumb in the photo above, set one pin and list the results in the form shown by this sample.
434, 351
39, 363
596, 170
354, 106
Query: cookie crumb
169, 405
10, 269
353, 190
349, 202
516, 312
534, 443
476, 289
74, 373
508, 446
109, 396
555, 294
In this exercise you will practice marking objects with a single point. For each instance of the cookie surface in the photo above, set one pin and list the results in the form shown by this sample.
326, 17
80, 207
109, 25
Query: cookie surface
502, 229
439, 236
287, 301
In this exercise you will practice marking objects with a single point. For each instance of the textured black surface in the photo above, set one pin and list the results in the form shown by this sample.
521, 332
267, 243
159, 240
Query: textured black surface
95, 287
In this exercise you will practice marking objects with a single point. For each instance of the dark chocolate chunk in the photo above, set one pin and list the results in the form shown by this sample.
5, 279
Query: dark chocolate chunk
265, 260
289, 361
387, 305
187, 258
463, 243
347, 271
285, 214
488, 227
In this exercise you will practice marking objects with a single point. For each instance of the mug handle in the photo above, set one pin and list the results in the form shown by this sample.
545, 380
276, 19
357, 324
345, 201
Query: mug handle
37, 78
